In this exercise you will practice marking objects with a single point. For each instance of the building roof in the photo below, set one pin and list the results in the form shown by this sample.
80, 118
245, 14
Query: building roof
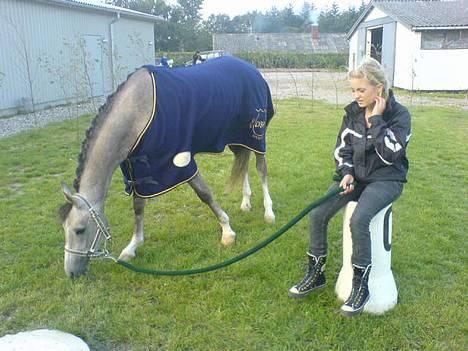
421, 14
280, 42
101, 6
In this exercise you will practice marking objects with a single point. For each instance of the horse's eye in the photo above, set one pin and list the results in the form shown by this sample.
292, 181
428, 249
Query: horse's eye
80, 231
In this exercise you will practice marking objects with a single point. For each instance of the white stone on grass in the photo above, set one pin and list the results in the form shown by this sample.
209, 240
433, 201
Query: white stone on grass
42, 340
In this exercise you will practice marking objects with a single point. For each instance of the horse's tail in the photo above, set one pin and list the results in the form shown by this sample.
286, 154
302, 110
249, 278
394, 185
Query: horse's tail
239, 167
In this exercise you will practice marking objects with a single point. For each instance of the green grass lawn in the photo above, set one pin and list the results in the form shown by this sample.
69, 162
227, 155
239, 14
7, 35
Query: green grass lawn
433, 94
244, 306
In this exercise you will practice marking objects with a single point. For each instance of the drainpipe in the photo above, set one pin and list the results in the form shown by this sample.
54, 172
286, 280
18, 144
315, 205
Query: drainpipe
112, 48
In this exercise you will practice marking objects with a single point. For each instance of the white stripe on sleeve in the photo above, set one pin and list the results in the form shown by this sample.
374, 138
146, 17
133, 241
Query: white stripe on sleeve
342, 144
391, 142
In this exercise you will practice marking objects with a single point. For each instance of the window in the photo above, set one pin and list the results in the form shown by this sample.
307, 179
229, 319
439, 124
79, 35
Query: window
444, 39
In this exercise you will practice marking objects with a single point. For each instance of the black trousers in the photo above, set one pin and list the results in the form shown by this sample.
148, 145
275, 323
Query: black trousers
371, 198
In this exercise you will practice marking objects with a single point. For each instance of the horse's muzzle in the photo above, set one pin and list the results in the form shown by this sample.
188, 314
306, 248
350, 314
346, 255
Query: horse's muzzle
75, 266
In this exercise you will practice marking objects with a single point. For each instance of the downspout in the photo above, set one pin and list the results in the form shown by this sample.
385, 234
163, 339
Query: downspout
112, 48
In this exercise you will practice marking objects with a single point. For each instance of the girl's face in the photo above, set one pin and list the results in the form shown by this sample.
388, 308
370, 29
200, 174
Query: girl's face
364, 93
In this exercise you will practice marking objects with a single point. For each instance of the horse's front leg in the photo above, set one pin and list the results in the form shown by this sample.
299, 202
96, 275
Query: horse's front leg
267, 202
138, 235
204, 193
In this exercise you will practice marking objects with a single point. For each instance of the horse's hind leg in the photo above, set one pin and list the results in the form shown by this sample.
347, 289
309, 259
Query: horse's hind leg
246, 194
240, 172
204, 193
138, 235
267, 202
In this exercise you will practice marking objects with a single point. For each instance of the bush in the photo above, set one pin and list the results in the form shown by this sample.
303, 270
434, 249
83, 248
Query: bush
179, 57
289, 60
276, 59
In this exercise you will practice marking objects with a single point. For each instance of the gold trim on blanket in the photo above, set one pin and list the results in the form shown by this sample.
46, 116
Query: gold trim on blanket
153, 115
164, 191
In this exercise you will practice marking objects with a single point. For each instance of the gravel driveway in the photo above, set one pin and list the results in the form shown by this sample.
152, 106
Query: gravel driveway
320, 85
333, 87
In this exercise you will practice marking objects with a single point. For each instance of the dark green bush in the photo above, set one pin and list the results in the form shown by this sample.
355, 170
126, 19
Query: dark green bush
179, 57
276, 59
290, 60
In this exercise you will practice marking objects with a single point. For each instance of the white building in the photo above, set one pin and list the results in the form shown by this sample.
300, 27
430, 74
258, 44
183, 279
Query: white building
423, 45
61, 51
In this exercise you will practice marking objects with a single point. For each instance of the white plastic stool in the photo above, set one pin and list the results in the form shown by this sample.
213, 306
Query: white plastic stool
382, 288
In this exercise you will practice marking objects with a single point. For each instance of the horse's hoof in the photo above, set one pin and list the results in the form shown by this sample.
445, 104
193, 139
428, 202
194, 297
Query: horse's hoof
125, 256
227, 240
246, 207
270, 218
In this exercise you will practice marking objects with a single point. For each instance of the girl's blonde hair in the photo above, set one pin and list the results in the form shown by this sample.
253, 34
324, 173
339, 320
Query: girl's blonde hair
373, 71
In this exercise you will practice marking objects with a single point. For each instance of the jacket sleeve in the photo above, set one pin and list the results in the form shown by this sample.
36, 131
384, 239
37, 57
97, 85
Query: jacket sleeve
390, 138
344, 151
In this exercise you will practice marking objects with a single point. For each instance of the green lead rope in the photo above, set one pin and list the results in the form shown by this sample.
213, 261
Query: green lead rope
247, 253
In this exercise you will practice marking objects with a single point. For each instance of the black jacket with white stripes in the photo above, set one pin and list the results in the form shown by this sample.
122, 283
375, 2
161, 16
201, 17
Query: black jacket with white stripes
375, 153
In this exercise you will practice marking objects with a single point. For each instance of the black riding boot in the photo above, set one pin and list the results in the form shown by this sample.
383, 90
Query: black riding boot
360, 292
314, 279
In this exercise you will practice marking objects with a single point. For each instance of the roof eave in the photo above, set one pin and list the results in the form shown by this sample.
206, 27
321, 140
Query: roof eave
423, 28
121, 11
369, 7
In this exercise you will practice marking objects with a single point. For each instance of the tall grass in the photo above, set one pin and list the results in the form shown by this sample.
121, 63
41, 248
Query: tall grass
244, 306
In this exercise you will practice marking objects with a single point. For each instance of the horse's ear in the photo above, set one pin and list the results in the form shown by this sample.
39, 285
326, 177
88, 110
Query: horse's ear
67, 192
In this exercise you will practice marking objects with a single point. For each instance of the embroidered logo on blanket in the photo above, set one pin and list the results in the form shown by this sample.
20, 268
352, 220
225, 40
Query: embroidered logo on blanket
258, 124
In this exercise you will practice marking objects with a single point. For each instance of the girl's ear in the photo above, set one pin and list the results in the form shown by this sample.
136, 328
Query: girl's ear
380, 89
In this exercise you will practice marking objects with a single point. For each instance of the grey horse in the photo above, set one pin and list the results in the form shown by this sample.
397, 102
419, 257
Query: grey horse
134, 113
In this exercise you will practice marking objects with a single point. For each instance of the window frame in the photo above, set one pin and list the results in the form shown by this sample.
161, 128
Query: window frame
445, 33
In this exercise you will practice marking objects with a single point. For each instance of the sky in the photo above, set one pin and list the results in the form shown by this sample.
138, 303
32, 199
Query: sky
240, 7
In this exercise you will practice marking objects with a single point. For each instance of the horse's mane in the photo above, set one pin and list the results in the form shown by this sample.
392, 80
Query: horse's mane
103, 112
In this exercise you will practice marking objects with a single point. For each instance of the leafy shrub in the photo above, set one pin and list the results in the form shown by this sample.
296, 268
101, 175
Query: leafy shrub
275, 59
296, 60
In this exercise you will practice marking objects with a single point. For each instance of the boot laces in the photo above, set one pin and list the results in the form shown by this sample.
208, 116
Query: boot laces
358, 291
311, 277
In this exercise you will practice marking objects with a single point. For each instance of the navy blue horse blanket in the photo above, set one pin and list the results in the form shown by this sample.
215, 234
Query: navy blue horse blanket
202, 108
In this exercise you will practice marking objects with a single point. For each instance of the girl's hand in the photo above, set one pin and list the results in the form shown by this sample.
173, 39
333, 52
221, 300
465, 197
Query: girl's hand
379, 106
347, 183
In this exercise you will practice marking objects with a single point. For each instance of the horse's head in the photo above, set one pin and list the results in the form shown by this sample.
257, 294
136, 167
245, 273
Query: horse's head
82, 232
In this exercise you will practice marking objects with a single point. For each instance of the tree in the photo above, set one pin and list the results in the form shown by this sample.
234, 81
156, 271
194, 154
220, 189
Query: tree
190, 12
192, 36
218, 24
333, 21
244, 23
182, 28
161, 9
24, 64
308, 15
328, 19
290, 22
335, 10
146, 6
